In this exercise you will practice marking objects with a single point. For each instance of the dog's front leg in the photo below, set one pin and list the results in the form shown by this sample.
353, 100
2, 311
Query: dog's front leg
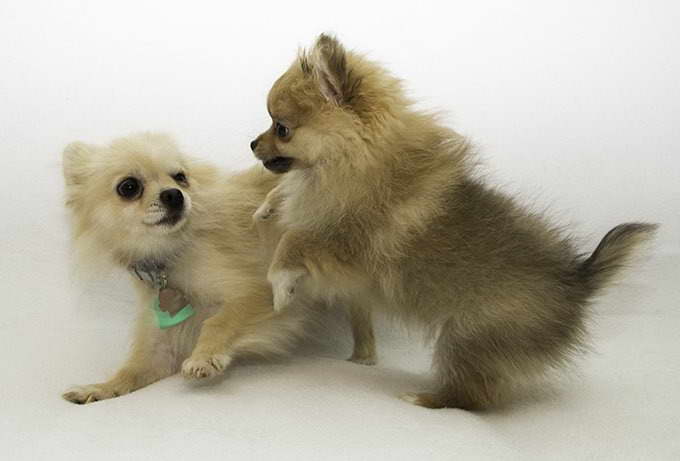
270, 205
211, 355
149, 361
364, 339
214, 349
287, 271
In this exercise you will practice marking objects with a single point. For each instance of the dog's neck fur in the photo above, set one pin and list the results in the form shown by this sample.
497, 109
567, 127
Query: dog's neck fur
408, 185
152, 264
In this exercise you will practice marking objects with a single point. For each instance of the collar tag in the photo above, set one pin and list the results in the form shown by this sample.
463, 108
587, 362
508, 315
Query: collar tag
151, 273
171, 308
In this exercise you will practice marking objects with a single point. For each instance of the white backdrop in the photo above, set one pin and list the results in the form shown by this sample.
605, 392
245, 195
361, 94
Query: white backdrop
573, 104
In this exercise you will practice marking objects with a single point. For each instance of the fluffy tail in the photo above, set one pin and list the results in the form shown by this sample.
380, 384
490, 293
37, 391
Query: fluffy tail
613, 254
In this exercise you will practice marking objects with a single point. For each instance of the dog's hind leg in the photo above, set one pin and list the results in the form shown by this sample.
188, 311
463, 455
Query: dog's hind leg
468, 371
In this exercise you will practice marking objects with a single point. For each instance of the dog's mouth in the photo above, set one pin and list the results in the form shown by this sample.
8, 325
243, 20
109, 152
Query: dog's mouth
164, 220
170, 219
278, 164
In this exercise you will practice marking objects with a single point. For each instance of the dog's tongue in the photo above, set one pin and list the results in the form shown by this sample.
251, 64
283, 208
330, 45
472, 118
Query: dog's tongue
171, 301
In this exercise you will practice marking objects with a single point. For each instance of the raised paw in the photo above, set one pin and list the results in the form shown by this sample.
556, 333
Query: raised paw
93, 393
205, 366
285, 284
264, 212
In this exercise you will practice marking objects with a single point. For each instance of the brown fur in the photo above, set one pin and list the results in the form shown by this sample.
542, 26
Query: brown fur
380, 209
214, 256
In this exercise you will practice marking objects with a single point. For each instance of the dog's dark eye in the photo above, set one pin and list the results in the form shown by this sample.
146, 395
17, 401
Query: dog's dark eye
180, 177
129, 188
281, 130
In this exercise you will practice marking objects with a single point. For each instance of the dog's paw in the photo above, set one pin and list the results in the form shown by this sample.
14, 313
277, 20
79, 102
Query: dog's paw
423, 399
264, 212
363, 359
205, 366
92, 393
285, 284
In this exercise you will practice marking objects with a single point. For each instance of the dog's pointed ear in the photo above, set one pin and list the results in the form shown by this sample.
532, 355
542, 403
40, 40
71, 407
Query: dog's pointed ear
327, 62
76, 160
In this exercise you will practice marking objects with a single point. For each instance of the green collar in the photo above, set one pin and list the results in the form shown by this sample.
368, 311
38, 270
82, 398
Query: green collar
166, 319
155, 275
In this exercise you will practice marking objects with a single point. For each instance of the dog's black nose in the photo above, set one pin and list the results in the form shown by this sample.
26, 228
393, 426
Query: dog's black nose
173, 199
253, 144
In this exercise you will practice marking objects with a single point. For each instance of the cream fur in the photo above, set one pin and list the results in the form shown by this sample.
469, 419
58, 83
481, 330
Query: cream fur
215, 256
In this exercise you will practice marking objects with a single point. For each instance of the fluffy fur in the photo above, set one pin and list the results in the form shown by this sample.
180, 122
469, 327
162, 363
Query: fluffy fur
379, 208
213, 253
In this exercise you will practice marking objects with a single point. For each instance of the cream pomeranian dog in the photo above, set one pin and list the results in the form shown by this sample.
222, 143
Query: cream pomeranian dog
185, 232
380, 208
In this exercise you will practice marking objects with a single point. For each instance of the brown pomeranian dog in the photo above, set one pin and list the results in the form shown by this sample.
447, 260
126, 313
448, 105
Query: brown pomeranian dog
380, 209
185, 232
